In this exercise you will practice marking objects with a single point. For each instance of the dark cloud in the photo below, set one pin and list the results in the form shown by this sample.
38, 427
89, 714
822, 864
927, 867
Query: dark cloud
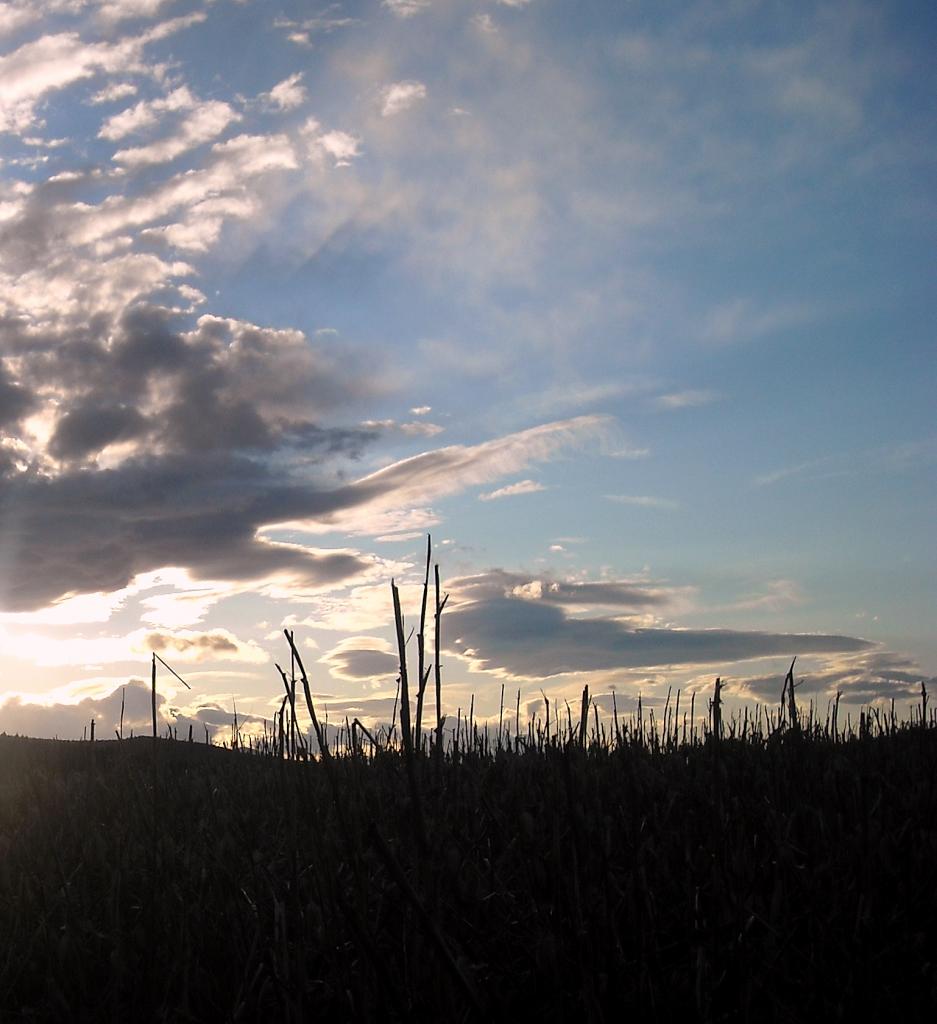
87, 529
38, 231
146, 344
211, 643
225, 386
534, 639
222, 435
361, 662
93, 530
15, 400
88, 428
222, 442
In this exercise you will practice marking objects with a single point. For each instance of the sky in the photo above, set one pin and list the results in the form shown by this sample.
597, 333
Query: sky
630, 306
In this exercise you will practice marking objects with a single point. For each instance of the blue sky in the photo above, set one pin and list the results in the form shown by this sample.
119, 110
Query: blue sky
629, 305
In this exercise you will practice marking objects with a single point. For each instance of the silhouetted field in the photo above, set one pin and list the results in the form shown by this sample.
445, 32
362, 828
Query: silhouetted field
783, 877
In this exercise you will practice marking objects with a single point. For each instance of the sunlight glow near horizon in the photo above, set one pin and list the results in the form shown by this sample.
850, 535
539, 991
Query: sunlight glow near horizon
631, 310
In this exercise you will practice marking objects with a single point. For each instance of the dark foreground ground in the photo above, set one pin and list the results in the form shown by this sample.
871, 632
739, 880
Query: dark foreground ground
789, 880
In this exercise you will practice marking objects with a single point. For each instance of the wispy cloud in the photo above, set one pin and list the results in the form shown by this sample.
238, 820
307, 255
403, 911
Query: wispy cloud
415, 428
745, 320
689, 399
510, 490
643, 501
629, 452
901, 457
774, 596
303, 31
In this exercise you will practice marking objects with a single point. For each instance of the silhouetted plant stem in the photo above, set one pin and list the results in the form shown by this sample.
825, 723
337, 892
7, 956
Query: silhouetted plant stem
440, 604
422, 671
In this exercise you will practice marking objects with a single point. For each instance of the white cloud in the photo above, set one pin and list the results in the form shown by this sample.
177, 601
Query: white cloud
112, 93
56, 61
406, 8
521, 487
302, 32
408, 486
206, 122
288, 94
228, 172
363, 608
73, 286
80, 609
203, 222
400, 96
387, 525
421, 428
435, 474
418, 428
339, 145
14, 16
46, 64
120, 10
144, 114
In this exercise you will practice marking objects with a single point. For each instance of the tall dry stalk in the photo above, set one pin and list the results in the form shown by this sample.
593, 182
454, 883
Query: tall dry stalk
405, 734
423, 672
715, 707
153, 694
440, 605
788, 689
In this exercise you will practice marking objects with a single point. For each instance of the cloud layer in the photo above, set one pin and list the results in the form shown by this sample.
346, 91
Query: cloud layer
526, 628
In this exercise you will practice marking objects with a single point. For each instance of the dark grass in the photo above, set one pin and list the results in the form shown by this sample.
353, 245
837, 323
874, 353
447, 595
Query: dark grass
787, 878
